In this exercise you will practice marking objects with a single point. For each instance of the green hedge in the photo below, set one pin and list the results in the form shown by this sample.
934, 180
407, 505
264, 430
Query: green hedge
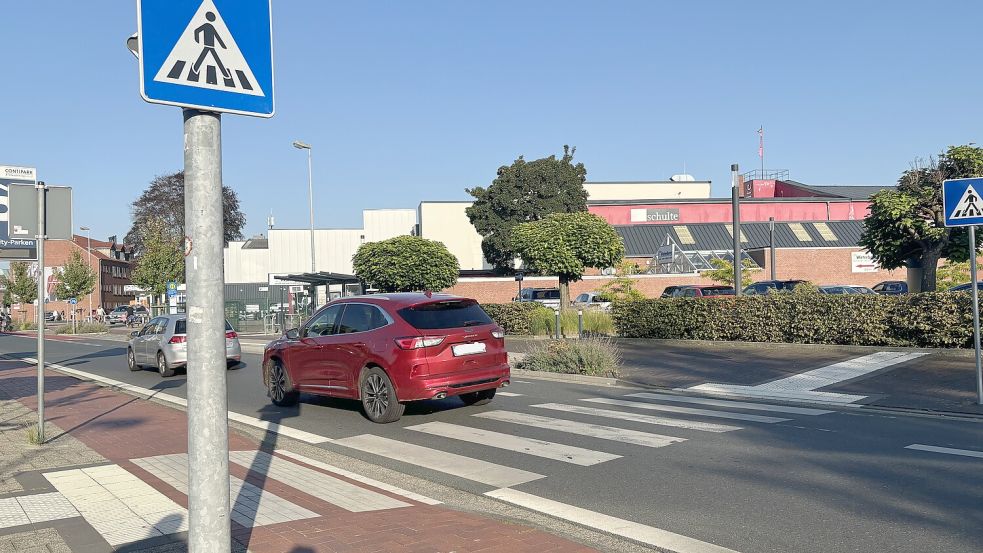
516, 317
930, 320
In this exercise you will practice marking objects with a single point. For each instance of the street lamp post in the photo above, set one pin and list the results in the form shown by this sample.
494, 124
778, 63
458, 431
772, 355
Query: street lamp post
88, 238
310, 197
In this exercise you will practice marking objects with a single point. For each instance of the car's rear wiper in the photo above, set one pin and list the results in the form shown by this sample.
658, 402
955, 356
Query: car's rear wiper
473, 323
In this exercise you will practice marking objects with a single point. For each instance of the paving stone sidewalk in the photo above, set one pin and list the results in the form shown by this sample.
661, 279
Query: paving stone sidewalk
114, 478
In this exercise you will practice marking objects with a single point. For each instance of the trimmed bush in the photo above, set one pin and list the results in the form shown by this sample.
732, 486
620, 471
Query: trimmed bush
590, 356
929, 320
533, 319
516, 318
82, 328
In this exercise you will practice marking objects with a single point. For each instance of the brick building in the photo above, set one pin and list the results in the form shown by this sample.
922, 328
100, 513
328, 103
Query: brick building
112, 263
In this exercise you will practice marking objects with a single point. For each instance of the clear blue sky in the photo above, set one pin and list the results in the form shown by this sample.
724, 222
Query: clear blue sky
405, 101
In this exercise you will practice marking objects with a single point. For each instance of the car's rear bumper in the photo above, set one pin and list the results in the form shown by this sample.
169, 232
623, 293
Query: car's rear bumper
473, 380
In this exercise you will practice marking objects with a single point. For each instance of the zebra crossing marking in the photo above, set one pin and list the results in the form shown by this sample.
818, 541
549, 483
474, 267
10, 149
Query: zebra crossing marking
732, 404
638, 417
686, 410
583, 429
539, 448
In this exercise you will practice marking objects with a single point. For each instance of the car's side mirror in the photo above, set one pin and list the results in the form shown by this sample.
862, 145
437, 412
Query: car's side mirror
292, 334
134, 334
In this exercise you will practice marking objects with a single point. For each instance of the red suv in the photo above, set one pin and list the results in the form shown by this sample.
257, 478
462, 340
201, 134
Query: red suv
389, 349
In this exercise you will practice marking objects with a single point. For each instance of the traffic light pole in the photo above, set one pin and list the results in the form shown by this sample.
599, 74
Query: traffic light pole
208, 418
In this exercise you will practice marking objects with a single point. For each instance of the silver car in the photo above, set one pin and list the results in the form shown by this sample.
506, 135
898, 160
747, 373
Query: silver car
163, 343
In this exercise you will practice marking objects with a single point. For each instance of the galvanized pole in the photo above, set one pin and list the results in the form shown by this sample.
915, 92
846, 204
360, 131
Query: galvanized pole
771, 247
41, 236
208, 424
976, 314
736, 208
310, 198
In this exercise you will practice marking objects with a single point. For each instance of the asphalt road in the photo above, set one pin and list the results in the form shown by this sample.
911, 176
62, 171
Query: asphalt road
838, 481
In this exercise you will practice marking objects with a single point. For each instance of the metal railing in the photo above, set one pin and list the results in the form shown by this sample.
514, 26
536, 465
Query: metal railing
766, 174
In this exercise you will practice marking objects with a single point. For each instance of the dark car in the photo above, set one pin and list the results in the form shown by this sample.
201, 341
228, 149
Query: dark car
669, 291
891, 287
769, 286
388, 349
967, 287
702, 291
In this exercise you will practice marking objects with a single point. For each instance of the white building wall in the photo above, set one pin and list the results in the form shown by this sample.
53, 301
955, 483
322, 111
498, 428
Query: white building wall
447, 222
382, 224
290, 250
606, 191
245, 265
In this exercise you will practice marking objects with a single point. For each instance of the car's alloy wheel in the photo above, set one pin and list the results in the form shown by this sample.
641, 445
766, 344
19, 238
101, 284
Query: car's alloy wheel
379, 398
131, 360
162, 366
279, 388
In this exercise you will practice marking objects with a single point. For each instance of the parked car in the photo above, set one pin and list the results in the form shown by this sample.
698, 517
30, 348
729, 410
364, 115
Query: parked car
768, 286
837, 289
891, 287
388, 349
860, 289
668, 292
119, 315
967, 287
50, 316
550, 297
702, 291
591, 300
163, 342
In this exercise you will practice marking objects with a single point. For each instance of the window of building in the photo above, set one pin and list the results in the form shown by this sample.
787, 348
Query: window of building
826, 232
730, 231
684, 235
800, 232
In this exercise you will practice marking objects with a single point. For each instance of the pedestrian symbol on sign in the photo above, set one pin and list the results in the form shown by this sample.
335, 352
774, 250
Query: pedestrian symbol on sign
206, 56
969, 205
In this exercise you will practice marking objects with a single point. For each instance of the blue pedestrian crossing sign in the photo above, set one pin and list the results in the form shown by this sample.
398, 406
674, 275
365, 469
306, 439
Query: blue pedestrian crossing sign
73, 301
212, 55
962, 203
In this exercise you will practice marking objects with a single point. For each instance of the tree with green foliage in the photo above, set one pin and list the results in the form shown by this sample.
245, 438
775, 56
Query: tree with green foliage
623, 287
524, 192
164, 200
723, 271
953, 273
162, 259
906, 226
76, 278
565, 244
406, 264
19, 285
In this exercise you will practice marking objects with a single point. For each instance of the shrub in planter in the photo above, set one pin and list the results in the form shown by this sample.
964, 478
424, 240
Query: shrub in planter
516, 318
594, 356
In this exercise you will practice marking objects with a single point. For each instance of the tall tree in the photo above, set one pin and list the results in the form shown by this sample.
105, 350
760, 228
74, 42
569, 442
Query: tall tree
524, 192
406, 264
565, 244
906, 226
20, 286
162, 259
164, 200
723, 271
76, 278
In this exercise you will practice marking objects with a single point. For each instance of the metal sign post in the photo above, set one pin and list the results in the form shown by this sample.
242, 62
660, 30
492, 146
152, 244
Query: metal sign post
962, 206
736, 208
206, 56
41, 237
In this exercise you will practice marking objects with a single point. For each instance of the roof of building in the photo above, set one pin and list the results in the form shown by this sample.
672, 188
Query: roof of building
645, 240
256, 243
850, 192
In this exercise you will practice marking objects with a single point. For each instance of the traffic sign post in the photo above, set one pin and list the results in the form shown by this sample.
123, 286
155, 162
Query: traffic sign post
963, 207
206, 56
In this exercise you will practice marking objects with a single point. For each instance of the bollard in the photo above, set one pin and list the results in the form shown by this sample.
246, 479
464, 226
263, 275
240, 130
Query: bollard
580, 323
557, 312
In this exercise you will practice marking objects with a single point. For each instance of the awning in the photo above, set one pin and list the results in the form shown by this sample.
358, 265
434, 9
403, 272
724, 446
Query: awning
320, 278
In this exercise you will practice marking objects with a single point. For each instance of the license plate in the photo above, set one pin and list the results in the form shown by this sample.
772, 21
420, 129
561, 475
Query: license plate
468, 349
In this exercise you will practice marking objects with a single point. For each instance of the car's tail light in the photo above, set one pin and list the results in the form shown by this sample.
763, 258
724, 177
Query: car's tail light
179, 339
417, 342
231, 334
498, 333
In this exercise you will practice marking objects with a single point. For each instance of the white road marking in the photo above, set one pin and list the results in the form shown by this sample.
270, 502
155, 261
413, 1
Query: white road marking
539, 448
804, 385
359, 478
946, 450
522, 381
655, 537
346, 495
583, 429
686, 410
441, 461
508, 394
251, 506
118, 505
267, 426
732, 404
637, 417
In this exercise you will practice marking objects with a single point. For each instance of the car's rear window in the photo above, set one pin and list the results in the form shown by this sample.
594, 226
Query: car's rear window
181, 326
546, 294
445, 314
718, 292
